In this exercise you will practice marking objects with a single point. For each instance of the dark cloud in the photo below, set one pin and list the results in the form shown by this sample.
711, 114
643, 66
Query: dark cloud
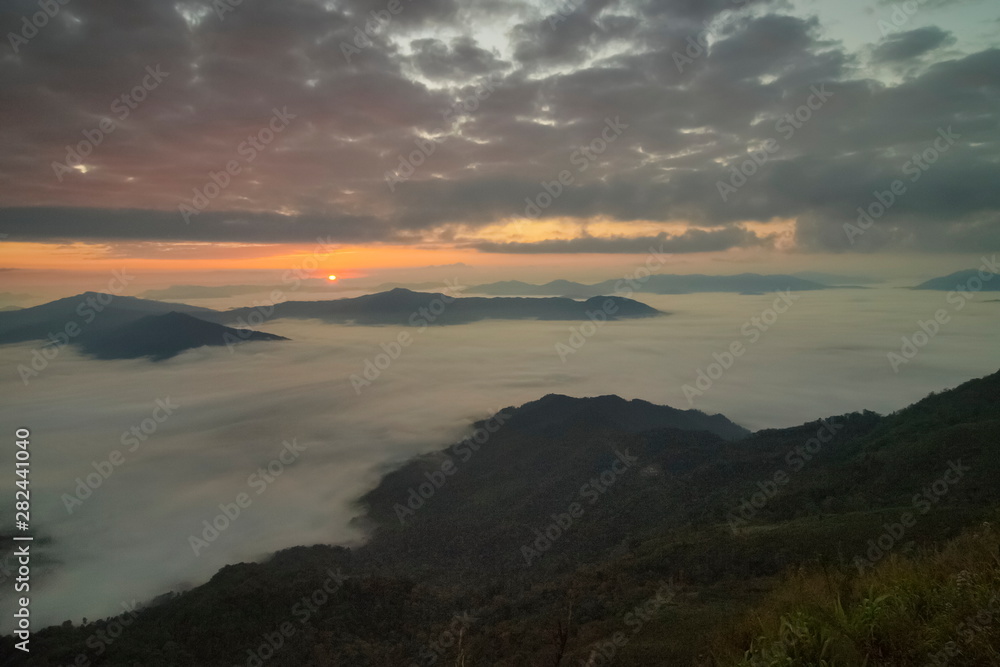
693, 240
103, 224
908, 45
462, 60
495, 123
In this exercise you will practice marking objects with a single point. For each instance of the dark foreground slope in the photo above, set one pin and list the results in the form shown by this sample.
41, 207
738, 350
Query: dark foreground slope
549, 540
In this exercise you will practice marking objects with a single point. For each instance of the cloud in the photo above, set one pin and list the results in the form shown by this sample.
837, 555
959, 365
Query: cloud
64, 224
552, 86
912, 44
693, 240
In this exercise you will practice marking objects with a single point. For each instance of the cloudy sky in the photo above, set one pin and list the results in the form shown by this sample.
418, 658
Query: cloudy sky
411, 133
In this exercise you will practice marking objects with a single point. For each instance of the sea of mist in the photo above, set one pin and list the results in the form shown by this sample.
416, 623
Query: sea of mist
826, 355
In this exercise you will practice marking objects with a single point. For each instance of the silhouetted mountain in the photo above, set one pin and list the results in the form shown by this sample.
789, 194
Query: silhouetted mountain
404, 307
745, 283
89, 312
121, 327
555, 413
98, 322
556, 525
163, 336
416, 287
836, 279
990, 282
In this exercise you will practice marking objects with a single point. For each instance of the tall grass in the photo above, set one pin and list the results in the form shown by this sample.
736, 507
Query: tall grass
937, 607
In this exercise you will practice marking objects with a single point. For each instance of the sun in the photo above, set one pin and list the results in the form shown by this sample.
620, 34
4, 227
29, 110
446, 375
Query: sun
331, 277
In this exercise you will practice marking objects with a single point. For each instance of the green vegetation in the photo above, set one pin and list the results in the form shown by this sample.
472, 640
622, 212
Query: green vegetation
939, 607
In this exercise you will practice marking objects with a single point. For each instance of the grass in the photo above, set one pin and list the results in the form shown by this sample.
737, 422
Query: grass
940, 606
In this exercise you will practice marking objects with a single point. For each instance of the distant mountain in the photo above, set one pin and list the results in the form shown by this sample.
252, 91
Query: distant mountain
745, 283
960, 280
416, 287
121, 327
160, 337
835, 279
404, 307
14, 297
125, 327
90, 312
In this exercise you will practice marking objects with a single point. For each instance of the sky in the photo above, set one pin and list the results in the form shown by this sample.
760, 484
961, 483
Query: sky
221, 141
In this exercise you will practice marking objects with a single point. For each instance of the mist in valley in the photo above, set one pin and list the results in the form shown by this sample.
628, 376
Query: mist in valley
232, 413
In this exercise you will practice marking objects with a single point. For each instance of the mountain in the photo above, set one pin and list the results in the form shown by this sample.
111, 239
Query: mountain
89, 312
160, 337
416, 287
745, 283
573, 531
836, 279
408, 308
551, 415
960, 280
122, 327
115, 327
